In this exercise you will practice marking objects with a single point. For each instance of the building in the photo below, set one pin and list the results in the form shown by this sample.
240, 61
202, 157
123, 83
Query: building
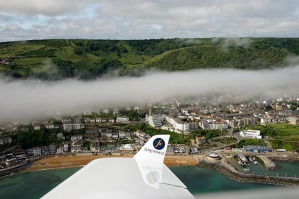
154, 121
294, 121
259, 149
126, 147
178, 124
122, 119
72, 126
200, 140
252, 134
76, 138
213, 124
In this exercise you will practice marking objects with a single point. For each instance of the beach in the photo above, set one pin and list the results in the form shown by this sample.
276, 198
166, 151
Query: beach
56, 162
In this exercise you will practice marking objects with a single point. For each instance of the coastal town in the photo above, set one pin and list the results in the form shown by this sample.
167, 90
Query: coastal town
202, 128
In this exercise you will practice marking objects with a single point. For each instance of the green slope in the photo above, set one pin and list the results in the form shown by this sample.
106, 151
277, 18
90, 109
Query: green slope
88, 59
212, 56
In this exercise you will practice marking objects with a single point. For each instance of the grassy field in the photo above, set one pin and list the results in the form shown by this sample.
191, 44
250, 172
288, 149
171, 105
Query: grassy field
282, 135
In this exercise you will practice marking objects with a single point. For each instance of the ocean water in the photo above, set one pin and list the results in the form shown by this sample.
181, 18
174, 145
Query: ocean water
289, 169
31, 185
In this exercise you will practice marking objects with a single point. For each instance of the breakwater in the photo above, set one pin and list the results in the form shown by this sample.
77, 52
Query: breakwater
268, 163
15, 169
286, 158
225, 168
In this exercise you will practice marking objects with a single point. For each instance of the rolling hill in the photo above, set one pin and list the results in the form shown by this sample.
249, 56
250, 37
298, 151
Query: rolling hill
87, 59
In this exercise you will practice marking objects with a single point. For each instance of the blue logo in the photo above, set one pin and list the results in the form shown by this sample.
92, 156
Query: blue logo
159, 143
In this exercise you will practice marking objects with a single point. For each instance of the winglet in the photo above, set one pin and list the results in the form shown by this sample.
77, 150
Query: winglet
154, 149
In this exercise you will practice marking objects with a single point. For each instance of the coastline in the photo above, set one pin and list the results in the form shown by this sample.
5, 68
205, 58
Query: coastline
58, 162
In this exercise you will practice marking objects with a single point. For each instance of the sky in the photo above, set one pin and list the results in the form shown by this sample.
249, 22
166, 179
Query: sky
136, 19
35, 99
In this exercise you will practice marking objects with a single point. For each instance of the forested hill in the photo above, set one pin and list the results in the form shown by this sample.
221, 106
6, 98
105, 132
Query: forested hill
88, 59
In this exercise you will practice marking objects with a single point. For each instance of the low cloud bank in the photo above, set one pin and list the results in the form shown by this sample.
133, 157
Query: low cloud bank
28, 99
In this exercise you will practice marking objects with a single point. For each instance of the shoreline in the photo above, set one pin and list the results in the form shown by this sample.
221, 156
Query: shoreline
58, 162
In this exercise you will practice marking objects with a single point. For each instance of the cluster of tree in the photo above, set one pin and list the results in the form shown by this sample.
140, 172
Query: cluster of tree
35, 138
211, 56
209, 133
154, 47
106, 65
132, 114
104, 46
67, 68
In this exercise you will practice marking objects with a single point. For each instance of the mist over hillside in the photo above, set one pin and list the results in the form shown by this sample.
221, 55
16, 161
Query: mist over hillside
26, 99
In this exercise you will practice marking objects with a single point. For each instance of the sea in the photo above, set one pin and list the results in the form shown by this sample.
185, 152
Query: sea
34, 184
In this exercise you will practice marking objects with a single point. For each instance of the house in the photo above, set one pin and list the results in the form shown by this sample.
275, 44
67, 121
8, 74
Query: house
45, 150
122, 135
87, 120
76, 147
59, 150
139, 134
128, 136
75, 138
65, 147
122, 119
115, 135
106, 134
48, 125
111, 120
52, 149
37, 152
72, 126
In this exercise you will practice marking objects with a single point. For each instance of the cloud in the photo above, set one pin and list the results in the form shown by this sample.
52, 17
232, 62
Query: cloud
24, 99
47, 7
134, 19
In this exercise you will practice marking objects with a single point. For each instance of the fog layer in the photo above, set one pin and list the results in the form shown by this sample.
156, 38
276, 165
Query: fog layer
24, 99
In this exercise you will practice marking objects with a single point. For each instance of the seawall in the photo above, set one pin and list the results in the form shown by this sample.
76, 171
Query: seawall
228, 170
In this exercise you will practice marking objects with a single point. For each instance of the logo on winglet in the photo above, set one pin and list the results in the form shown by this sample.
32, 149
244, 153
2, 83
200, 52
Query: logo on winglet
159, 143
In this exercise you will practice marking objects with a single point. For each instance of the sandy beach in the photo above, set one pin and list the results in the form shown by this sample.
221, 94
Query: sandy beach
81, 160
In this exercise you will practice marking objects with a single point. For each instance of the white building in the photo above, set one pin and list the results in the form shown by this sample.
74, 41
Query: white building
72, 126
122, 119
178, 124
253, 134
213, 124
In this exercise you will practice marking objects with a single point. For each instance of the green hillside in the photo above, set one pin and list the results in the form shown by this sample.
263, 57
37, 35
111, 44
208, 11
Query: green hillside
88, 59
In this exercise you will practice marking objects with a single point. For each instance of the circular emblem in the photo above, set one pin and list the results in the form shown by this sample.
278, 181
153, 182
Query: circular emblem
159, 143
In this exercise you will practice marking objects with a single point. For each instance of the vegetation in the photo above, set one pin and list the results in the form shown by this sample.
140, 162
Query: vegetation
175, 138
254, 142
283, 135
88, 59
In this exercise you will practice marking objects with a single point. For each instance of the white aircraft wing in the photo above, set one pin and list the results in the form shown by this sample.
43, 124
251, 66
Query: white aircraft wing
144, 176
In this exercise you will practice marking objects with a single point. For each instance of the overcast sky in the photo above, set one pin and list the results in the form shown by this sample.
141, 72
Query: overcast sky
141, 19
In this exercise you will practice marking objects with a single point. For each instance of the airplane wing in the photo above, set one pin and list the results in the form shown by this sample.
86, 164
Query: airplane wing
144, 176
